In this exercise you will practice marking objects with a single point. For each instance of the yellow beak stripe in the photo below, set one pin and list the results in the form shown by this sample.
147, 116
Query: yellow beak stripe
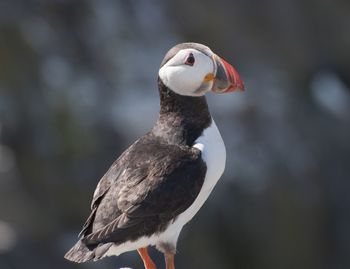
208, 77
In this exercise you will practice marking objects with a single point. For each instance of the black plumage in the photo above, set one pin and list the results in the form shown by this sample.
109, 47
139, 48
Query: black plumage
152, 182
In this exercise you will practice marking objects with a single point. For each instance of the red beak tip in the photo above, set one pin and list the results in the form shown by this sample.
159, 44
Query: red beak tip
240, 86
237, 83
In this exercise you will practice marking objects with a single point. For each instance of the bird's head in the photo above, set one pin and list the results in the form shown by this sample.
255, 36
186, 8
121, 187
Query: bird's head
192, 69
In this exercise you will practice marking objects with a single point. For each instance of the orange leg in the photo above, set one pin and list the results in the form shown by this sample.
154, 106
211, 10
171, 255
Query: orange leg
169, 260
147, 261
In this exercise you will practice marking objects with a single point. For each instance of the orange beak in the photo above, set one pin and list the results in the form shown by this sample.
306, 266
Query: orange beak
226, 78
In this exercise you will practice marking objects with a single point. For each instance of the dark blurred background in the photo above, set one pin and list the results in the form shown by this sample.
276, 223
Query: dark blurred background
78, 85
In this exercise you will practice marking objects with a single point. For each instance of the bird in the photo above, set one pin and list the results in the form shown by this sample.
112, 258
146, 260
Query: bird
161, 181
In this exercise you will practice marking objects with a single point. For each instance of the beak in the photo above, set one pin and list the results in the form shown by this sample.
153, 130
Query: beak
226, 78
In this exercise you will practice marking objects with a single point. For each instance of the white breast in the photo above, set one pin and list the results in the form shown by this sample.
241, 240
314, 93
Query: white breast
213, 151
214, 154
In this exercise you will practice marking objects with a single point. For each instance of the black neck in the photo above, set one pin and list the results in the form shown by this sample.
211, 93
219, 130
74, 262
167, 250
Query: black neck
182, 119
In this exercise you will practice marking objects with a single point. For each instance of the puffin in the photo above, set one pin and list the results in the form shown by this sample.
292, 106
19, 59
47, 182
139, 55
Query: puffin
161, 181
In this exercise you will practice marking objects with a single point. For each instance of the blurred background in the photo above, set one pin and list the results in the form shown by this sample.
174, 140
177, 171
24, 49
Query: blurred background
78, 86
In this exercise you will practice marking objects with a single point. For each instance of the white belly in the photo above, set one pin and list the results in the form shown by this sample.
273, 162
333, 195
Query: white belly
214, 154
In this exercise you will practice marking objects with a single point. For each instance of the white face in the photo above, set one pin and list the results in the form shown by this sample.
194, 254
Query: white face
190, 72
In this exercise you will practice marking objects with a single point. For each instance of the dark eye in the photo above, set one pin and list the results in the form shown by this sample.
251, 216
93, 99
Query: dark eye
190, 60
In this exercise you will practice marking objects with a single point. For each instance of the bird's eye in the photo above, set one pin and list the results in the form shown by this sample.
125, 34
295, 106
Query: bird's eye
190, 60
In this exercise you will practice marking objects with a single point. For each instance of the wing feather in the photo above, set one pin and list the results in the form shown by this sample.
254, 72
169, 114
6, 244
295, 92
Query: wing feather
146, 188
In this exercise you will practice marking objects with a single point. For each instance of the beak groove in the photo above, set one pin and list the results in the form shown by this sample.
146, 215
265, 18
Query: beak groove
227, 78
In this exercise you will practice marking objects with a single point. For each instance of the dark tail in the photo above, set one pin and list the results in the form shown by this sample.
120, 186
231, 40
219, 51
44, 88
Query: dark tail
81, 253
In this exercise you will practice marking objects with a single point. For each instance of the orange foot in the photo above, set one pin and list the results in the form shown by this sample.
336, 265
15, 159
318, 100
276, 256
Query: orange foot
169, 260
147, 261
